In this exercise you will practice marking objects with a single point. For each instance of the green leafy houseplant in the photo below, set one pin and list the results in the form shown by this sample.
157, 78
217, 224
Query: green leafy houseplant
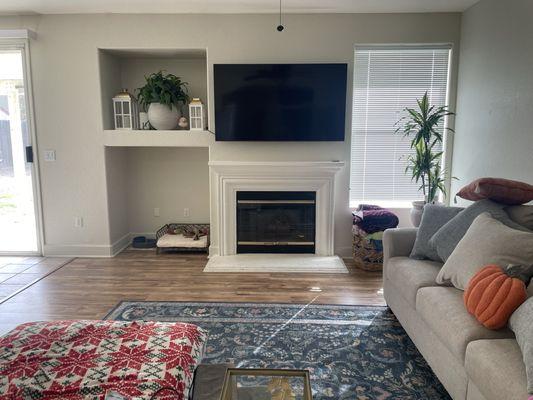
166, 89
422, 126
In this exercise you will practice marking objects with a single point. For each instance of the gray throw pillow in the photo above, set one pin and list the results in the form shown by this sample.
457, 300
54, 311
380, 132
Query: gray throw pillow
522, 215
447, 237
433, 218
487, 242
522, 326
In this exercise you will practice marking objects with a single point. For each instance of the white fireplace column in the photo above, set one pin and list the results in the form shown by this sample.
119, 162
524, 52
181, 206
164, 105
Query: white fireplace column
228, 177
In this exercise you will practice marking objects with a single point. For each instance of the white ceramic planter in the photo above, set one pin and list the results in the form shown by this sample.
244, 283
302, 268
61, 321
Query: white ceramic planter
163, 118
416, 212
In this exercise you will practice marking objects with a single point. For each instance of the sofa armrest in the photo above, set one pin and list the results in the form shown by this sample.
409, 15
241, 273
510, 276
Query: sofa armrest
398, 242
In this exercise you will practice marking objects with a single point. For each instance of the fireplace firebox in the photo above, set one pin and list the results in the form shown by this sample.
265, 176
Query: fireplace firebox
276, 222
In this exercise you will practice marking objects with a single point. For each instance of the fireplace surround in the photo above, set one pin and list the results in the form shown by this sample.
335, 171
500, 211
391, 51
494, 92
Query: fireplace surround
228, 178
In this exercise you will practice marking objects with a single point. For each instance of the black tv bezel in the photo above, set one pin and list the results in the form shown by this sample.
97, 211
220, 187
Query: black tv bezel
338, 140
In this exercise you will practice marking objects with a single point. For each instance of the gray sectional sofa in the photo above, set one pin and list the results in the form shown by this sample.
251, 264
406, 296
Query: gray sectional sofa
472, 362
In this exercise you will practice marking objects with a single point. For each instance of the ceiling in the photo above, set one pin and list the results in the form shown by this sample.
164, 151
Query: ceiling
229, 6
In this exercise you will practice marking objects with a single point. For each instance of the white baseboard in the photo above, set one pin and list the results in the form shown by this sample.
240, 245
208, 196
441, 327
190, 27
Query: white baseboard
77, 250
213, 251
104, 250
87, 250
121, 244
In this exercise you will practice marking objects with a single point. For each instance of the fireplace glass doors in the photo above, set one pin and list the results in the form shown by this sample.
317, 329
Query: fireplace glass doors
276, 222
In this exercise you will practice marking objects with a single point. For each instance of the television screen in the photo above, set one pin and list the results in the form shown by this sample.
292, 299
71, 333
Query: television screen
280, 102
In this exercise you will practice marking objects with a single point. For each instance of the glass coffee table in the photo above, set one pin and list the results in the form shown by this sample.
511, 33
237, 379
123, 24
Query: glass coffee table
266, 384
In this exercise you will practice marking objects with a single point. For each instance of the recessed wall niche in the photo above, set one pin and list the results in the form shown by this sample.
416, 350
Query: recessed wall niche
126, 68
150, 186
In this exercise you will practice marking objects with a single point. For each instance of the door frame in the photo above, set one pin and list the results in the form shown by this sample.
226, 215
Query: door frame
23, 44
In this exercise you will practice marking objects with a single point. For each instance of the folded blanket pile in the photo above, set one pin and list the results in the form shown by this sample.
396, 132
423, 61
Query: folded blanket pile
372, 219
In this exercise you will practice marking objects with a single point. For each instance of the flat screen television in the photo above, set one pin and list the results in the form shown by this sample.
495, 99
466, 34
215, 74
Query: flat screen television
280, 102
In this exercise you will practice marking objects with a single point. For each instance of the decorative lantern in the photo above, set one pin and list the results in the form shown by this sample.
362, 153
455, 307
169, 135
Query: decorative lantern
196, 115
126, 111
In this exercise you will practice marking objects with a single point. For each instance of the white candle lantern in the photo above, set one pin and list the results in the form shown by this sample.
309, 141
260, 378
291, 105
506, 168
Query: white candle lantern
196, 115
126, 111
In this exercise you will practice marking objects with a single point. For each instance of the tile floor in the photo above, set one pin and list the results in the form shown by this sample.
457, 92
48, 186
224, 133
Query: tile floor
18, 272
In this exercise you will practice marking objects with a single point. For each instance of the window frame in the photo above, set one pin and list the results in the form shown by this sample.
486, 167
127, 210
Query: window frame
449, 123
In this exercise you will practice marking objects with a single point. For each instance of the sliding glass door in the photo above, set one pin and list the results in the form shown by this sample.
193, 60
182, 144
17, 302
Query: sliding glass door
19, 233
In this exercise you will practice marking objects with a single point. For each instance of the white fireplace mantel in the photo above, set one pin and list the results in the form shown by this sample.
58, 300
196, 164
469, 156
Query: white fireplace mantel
227, 178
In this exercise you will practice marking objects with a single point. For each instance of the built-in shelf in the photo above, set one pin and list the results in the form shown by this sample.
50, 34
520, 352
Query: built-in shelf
126, 69
149, 138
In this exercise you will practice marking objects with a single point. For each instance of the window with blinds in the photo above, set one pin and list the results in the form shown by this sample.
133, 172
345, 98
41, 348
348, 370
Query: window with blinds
386, 81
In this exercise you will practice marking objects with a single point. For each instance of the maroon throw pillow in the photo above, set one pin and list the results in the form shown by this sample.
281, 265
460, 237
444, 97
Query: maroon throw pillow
500, 190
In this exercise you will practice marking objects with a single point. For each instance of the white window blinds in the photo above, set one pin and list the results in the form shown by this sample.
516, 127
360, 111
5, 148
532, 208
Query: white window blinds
387, 80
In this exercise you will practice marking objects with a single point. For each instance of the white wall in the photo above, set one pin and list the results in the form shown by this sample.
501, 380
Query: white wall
170, 179
69, 110
494, 125
117, 176
193, 71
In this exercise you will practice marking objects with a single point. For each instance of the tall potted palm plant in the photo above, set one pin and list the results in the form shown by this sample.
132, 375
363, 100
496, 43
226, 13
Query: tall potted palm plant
422, 126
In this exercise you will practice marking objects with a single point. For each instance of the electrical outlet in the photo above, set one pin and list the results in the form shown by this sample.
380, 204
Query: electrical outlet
156, 212
78, 222
186, 212
49, 155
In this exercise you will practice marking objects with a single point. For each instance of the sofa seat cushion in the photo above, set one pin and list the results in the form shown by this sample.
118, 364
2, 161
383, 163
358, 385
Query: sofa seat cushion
409, 275
443, 310
489, 363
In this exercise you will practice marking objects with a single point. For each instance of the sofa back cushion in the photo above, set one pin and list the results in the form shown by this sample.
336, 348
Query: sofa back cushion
487, 242
522, 215
447, 237
434, 217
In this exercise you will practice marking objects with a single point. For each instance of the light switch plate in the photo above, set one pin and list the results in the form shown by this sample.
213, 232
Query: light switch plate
49, 155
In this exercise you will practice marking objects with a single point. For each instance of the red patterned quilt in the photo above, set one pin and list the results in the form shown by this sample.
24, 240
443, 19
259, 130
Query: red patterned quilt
85, 359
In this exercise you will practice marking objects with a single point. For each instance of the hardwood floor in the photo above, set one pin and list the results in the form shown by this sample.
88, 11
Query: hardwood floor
16, 273
87, 288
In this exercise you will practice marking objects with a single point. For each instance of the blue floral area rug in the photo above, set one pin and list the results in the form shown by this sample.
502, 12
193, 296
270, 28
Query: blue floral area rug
352, 352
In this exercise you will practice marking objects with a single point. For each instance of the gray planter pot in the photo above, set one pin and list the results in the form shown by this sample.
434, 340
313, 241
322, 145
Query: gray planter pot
416, 212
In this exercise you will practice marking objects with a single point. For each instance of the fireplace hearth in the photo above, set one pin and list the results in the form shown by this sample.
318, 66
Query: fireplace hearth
276, 222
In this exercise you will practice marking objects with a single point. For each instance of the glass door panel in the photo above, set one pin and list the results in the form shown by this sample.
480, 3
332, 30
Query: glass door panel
18, 227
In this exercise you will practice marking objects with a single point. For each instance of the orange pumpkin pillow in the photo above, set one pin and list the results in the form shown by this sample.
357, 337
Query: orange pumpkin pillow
494, 293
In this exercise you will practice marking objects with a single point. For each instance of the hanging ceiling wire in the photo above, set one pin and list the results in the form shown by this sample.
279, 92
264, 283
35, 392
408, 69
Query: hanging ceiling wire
280, 26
